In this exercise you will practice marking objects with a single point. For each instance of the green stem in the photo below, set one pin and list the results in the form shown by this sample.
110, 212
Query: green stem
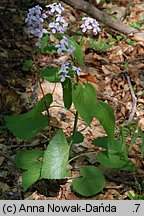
83, 154
75, 123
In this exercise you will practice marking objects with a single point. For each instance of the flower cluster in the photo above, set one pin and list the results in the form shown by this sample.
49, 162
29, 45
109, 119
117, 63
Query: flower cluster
90, 23
36, 17
59, 24
35, 20
63, 46
55, 8
65, 70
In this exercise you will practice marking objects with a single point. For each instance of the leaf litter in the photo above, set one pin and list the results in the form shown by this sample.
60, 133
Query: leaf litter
105, 70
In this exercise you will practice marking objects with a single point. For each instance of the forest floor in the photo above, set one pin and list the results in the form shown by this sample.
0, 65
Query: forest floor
112, 68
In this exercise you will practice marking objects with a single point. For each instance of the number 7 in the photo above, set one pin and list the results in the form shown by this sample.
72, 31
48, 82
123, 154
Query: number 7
138, 205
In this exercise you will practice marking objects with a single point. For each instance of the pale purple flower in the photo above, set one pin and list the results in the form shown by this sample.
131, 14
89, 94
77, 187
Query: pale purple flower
70, 50
90, 23
64, 67
55, 8
64, 70
60, 29
35, 10
61, 20
44, 16
77, 70
60, 23
35, 19
85, 27
63, 76
64, 41
88, 20
57, 27
96, 28
63, 46
54, 27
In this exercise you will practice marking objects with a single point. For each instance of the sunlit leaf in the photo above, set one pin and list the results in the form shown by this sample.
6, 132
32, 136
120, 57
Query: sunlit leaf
56, 157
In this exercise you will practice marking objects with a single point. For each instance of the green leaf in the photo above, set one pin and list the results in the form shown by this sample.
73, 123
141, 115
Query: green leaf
100, 45
30, 177
50, 74
44, 41
29, 160
27, 65
56, 157
67, 93
26, 159
78, 137
135, 25
44, 103
84, 99
130, 42
116, 161
50, 48
78, 53
26, 126
101, 142
91, 182
105, 115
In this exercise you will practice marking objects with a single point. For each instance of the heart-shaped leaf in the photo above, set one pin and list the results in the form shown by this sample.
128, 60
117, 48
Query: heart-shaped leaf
25, 159
77, 138
56, 157
30, 177
91, 182
29, 160
84, 99
26, 126
50, 74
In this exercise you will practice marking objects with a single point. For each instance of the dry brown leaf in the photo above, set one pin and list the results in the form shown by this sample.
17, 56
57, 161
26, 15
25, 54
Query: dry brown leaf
141, 124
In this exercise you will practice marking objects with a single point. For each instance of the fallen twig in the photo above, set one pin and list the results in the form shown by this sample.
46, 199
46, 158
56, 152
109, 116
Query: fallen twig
134, 101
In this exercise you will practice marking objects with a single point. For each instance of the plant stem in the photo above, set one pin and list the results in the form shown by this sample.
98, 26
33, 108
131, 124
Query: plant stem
44, 101
75, 123
83, 154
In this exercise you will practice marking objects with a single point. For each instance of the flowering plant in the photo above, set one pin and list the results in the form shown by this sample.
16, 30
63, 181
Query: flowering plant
55, 158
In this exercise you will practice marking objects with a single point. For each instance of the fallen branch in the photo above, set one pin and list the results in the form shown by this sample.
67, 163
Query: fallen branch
105, 18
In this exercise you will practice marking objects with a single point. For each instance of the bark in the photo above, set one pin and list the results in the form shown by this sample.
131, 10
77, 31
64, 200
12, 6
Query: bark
101, 16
